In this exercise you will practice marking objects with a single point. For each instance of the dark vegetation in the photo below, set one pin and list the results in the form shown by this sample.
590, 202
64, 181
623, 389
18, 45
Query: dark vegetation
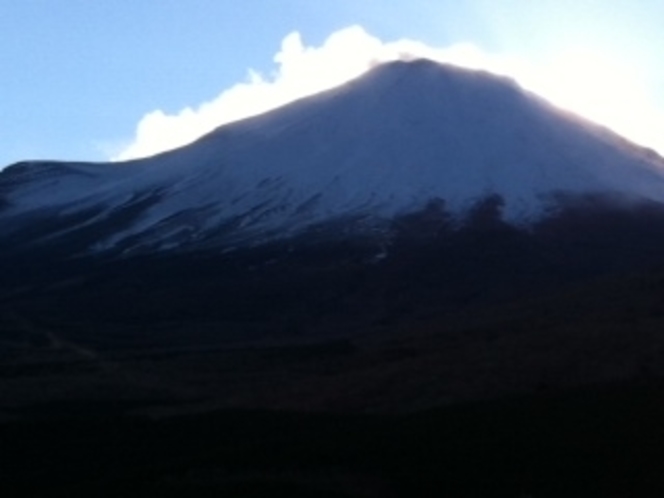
481, 360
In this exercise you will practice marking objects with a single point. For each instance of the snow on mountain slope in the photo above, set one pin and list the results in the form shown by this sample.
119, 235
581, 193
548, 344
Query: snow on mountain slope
385, 144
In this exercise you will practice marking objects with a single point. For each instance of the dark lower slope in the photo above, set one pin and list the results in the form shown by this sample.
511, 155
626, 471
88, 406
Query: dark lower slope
458, 314
482, 361
425, 265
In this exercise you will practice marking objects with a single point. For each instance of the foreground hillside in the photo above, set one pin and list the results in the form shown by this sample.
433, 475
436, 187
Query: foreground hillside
311, 373
599, 441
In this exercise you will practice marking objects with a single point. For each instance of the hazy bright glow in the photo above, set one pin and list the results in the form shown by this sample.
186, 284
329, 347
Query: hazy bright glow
601, 89
582, 81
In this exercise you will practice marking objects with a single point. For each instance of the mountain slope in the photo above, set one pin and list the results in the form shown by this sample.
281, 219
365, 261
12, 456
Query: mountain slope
386, 144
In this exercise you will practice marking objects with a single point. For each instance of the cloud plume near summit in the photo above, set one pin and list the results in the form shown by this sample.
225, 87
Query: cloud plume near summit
303, 70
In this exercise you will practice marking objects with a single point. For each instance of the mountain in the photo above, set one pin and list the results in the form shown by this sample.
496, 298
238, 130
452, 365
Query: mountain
416, 196
392, 142
416, 189
425, 282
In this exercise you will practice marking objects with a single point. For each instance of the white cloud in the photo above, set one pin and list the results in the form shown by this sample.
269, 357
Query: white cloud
303, 70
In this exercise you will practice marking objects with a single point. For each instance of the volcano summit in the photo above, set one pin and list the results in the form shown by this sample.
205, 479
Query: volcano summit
387, 144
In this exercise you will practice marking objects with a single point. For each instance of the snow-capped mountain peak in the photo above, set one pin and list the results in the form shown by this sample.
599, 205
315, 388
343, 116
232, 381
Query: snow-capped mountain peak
388, 143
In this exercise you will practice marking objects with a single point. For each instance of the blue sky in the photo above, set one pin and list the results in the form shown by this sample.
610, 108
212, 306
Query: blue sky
78, 77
